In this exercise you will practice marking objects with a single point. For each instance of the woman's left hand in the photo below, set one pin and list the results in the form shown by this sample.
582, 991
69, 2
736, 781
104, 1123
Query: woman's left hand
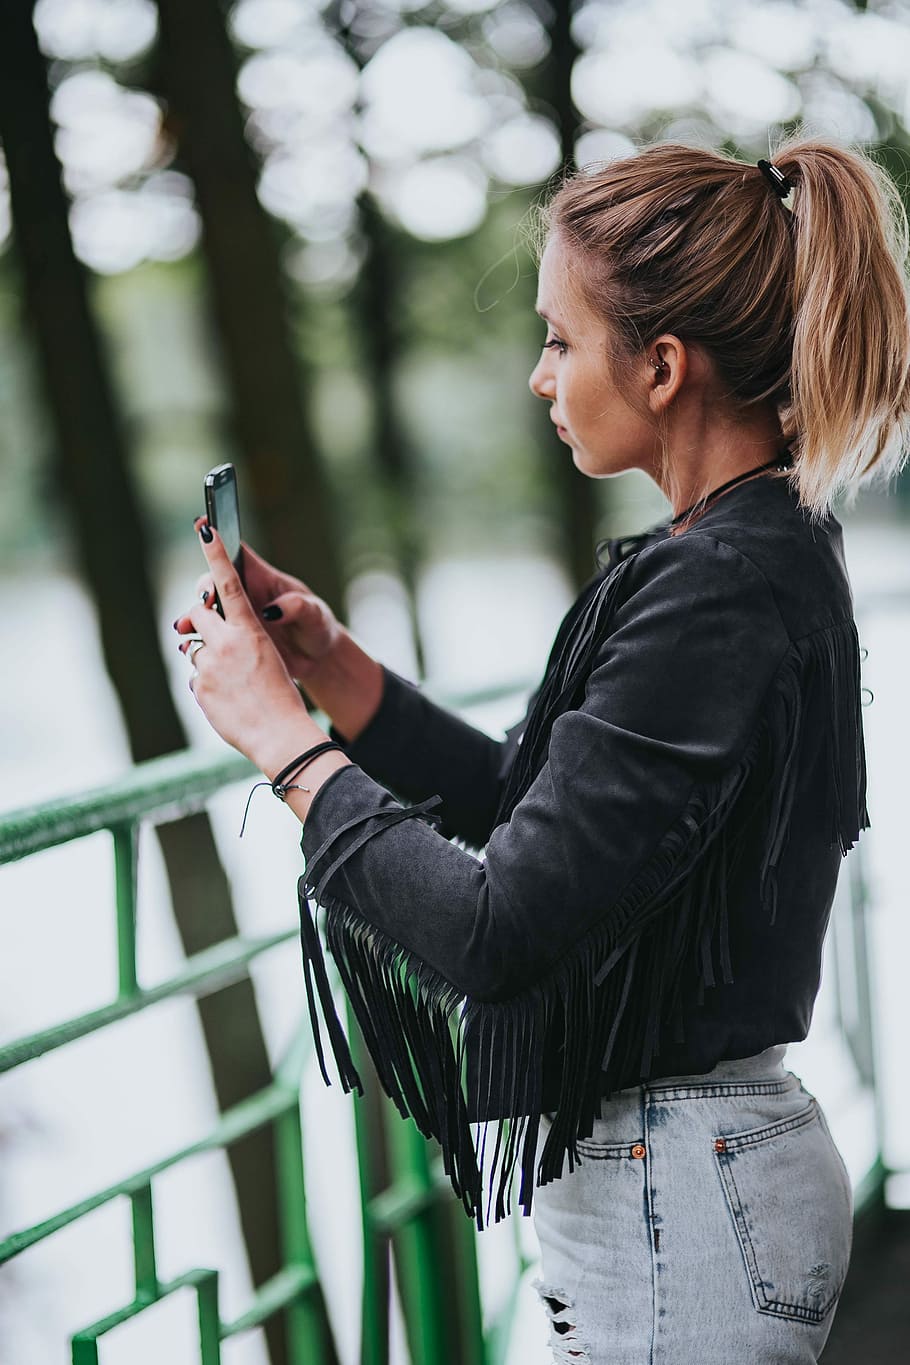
239, 679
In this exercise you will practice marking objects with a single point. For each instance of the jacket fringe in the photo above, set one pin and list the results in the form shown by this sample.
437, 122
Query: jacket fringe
609, 1002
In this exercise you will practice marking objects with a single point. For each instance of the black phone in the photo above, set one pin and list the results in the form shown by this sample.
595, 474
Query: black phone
222, 507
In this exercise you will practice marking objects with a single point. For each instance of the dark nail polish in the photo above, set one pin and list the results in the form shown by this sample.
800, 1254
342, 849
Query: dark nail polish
272, 613
176, 622
206, 533
205, 595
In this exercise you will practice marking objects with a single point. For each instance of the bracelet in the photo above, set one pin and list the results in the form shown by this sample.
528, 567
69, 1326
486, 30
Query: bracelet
282, 783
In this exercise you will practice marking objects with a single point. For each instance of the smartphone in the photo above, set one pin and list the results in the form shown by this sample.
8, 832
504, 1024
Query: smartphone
222, 507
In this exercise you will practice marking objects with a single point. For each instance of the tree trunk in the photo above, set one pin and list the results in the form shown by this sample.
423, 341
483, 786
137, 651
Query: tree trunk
576, 492
267, 392
373, 300
91, 464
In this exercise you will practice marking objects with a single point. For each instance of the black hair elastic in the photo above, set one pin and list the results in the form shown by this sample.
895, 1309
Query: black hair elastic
777, 180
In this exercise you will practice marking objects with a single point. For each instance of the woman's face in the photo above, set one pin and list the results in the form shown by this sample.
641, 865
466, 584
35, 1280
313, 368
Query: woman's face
606, 434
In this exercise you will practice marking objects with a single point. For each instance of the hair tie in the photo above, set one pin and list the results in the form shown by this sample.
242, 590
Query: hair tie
779, 183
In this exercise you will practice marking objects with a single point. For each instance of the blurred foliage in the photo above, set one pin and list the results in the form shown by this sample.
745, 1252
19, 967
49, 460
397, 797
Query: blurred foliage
466, 336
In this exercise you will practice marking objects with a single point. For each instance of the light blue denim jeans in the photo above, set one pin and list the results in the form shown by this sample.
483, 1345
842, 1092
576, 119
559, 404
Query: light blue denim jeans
709, 1223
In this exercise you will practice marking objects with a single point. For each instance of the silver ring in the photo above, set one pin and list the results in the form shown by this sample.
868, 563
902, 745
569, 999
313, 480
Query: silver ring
195, 646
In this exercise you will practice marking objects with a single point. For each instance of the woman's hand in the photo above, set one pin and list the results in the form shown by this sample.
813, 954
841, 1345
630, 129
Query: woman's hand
302, 627
240, 680
340, 677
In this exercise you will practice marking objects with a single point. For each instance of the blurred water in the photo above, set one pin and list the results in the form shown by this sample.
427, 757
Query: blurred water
86, 1115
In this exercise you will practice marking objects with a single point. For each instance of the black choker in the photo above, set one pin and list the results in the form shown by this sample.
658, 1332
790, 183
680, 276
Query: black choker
781, 461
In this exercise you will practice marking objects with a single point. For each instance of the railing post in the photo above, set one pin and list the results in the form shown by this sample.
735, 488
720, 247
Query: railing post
126, 862
873, 1187
147, 1287
373, 1174
209, 1320
417, 1259
308, 1333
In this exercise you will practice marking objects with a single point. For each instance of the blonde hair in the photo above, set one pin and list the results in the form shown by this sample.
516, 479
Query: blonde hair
807, 308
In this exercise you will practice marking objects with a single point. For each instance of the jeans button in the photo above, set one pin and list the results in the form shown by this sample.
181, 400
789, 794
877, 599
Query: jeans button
638, 1150
720, 1145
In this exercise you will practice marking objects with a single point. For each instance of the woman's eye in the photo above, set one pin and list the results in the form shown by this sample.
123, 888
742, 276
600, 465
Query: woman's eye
554, 344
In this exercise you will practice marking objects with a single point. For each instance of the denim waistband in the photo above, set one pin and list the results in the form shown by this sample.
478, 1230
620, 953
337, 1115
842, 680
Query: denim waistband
765, 1070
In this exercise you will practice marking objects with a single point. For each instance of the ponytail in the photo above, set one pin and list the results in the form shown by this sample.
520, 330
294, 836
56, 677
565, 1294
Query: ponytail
849, 408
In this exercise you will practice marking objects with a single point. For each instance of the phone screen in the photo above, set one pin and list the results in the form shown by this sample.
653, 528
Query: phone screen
223, 509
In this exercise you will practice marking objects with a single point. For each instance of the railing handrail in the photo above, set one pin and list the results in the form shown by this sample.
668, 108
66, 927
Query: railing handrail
168, 787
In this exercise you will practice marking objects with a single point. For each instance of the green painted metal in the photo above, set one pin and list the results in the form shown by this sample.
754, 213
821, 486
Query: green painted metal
204, 1282
165, 788
420, 1283
870, 1192
202, 974
255, 1112
126, 866
402, 1213
371, 1170
146, 1266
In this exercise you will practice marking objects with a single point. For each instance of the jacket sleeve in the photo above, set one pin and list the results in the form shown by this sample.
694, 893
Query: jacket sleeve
417, 748
587, 898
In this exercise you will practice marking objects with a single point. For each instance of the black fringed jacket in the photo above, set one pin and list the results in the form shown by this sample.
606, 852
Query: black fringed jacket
662, 839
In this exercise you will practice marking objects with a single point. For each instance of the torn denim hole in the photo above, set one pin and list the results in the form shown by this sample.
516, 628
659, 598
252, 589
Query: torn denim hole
818, 1279
564, 1339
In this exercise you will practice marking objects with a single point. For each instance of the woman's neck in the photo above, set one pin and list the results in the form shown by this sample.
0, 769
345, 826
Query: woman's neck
705, 452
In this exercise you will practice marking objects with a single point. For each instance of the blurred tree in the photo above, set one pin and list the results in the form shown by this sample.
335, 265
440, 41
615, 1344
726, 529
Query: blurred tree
577, 494
91, 464
372, 303
268, 394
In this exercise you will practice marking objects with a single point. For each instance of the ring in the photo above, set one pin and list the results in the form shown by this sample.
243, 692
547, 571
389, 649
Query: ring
194, 649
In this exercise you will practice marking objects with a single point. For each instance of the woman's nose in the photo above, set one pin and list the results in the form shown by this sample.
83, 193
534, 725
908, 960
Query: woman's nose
541, 381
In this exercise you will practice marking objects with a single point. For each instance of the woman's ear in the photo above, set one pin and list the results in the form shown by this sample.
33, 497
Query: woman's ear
668, 365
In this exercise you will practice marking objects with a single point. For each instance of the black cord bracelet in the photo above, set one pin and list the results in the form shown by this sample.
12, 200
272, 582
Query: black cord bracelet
282, 783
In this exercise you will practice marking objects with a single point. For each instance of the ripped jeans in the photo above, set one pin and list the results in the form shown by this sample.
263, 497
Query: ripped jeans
709, 1223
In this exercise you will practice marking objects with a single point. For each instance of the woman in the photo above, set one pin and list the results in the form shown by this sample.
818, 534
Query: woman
613, 986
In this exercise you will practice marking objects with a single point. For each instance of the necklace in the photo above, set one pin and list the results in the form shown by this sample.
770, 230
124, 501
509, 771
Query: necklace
781, 461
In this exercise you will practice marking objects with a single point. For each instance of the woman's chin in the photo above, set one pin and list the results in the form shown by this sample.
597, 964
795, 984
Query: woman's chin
584, 464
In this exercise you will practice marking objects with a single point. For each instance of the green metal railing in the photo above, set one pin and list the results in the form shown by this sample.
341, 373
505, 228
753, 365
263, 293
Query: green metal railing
435, 1260
435, 1254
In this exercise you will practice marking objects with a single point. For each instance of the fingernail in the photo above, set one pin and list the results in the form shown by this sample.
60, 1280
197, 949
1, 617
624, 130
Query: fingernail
272, 613
176, 622
206, 533
205, 595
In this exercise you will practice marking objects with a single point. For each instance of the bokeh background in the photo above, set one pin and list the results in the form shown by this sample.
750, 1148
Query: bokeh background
295, 236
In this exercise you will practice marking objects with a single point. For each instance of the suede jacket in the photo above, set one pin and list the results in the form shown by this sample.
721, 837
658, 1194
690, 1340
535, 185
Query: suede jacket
661, 840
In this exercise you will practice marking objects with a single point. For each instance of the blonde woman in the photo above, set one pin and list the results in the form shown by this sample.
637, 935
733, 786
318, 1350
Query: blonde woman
601, 1003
